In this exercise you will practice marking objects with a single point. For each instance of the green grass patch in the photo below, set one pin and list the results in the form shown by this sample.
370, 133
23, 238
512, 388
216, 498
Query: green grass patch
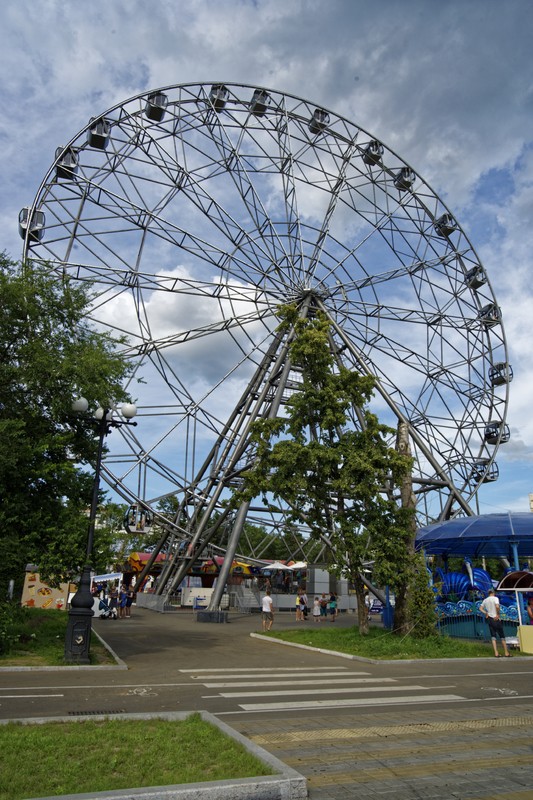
91, 756
383, 644
35, 637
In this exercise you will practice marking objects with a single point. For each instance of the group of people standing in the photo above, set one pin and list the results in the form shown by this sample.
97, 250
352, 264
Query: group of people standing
322, 607
120, 600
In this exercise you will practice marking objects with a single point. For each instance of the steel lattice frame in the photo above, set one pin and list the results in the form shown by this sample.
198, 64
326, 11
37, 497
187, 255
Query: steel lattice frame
195, 211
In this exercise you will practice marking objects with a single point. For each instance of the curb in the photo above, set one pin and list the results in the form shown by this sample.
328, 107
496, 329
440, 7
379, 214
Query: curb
287, 784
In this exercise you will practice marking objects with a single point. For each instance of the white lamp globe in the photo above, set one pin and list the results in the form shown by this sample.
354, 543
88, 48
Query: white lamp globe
80, 405
128, 410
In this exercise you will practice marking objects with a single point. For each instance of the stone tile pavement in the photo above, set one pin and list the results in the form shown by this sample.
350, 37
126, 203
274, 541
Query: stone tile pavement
484, 754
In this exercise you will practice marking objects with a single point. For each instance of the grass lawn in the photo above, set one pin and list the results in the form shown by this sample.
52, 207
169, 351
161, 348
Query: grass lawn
37, 639
91, 756
382, 644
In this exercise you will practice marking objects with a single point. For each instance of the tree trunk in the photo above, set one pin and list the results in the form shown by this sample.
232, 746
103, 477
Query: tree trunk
362, 609
408, 500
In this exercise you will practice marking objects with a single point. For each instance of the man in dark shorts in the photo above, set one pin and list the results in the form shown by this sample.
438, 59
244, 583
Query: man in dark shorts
267, 611
491, 608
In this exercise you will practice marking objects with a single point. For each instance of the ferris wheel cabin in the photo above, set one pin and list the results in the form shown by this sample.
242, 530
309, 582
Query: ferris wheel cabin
373, 152
500, 374
319, 121
496, 431
404, 179
34, 227
218, 96
260, 102
476, 277
98, 133
138, 519
66, 163
445, 226
490, 315
156, 106
483, 471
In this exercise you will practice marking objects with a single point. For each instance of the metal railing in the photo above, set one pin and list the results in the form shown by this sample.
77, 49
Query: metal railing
464, 620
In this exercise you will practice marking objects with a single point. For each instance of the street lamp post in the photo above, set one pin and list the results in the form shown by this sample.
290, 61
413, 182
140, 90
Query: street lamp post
78, 635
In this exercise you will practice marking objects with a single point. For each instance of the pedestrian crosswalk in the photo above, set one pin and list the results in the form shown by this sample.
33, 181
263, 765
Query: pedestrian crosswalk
286, 688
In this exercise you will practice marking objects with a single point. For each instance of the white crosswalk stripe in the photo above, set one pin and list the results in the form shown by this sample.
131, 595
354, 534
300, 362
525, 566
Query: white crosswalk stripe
317, 692
291, 681
349, 702
318, 688
293, 674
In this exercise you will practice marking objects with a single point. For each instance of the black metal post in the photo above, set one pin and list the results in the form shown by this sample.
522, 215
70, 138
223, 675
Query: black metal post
78, 635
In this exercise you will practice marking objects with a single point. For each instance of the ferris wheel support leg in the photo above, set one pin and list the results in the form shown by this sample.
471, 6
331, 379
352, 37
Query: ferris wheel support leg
231, 549
278, 359
197, 544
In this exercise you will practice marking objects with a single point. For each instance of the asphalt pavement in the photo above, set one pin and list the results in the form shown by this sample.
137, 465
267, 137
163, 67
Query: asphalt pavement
354, 728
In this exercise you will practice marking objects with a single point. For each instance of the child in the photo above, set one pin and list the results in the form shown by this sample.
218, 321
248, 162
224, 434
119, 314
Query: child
316, 610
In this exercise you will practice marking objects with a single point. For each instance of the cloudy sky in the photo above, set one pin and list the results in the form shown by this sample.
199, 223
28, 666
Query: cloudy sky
446, 85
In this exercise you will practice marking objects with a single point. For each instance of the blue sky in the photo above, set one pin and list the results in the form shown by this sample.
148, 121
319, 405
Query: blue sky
448, 86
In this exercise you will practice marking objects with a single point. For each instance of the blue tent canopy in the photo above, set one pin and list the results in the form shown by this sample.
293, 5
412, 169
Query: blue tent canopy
508, 535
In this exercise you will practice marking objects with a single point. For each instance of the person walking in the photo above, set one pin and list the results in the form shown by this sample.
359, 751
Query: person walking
491, 608
267, 611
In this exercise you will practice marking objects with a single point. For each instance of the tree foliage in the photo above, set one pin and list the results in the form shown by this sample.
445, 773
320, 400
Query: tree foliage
421, 602
49, 354
329, 461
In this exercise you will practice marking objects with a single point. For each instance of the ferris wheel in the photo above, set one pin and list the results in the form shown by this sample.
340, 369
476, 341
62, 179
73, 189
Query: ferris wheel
196, 211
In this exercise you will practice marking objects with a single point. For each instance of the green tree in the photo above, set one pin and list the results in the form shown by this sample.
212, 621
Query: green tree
421, 602
48, 355
114, 541
328, 460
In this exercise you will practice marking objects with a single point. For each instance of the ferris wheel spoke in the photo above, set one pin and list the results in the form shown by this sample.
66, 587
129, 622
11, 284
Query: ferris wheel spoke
414, 268
227, 324
334, 194
388, 313
123, 279
279, 260
396, 401
190, 184
122, 216
290, 196
454, 375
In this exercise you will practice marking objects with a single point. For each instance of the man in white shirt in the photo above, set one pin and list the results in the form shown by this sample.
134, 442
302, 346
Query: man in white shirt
491, 608
267, 612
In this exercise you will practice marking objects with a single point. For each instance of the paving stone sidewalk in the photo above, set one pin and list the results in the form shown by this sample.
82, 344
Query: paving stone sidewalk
484, 755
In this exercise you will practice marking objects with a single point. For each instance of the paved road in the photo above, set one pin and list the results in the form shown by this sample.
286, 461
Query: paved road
356, 729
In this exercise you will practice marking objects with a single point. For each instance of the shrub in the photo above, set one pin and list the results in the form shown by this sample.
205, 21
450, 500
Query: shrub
12, 618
